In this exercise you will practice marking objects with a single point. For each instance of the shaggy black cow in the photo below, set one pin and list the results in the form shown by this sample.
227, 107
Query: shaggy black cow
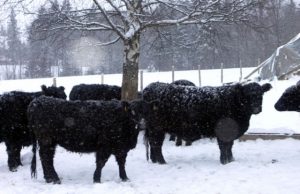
95, 92
191, 113
290, 99
181, 82
104, 127
13, 120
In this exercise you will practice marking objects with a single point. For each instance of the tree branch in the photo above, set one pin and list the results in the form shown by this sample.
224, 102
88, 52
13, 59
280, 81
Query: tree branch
113, 26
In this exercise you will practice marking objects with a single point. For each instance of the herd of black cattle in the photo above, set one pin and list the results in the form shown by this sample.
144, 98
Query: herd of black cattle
95, 120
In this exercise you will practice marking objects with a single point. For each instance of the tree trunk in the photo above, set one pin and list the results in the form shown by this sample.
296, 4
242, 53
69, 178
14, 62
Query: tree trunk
131, 67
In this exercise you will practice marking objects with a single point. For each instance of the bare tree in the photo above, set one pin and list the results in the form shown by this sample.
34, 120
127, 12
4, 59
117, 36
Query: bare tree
128, 19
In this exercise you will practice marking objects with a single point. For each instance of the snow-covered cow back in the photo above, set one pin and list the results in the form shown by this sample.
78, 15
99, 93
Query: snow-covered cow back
95, 92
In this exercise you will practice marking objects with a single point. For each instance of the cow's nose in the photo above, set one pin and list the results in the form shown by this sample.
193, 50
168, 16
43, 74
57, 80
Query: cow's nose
256, 110
279, 107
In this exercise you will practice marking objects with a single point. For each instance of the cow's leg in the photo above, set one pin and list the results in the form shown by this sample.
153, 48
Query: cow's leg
47, 152
226, 151
156, 141
101, 158
172, 137
14, 158
121, 159
178, 141
188, 143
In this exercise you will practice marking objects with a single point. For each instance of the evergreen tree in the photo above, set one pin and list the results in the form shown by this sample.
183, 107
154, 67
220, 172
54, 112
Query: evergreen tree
14, 45
3, 49
39, 61
289, 22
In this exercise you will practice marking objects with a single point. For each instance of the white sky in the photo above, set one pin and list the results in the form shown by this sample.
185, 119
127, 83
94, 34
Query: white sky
30, 7
26, 11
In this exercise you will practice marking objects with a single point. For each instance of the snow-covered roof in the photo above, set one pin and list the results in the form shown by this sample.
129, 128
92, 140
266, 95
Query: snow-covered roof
284, 61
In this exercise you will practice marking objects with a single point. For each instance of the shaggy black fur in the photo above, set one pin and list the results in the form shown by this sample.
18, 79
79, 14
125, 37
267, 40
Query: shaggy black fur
181, 82
191, 113
104, 127
95, 92
13, 120
290, 99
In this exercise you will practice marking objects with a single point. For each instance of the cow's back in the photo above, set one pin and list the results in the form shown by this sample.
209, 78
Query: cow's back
95, 92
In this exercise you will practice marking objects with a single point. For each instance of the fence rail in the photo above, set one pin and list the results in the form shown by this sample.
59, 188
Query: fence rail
268, 136
173, 75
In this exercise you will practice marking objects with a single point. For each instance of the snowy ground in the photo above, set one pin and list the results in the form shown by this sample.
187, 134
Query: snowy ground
259, 166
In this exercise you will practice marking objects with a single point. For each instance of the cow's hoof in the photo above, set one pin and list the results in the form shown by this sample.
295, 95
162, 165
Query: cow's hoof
172, 138
153, 159
178, 143
125, 179
13, 169
188, 143
226, 161
162, 161
54, 181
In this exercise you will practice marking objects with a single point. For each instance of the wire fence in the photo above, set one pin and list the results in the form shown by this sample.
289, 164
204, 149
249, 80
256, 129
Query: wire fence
173, 72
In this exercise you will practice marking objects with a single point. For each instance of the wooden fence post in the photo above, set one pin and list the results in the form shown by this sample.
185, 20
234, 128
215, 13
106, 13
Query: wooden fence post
222, 65
173, 73
141, 80
258, 63
102, 78
241, 71
258, 68
54, 82
199, 75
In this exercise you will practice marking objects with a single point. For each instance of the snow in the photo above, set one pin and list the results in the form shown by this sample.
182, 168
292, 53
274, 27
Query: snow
259, 167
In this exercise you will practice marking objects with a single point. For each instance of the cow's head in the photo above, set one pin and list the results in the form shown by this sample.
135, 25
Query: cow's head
130, 125
290, 99
53, 91
253, 94
141, 109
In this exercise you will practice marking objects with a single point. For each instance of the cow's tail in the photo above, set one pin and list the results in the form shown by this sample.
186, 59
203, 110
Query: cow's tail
33, 161
146, 142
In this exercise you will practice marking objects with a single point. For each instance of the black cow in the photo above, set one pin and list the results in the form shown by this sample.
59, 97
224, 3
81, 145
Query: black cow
95, 92
103, 127
13, 120
290, 99
191, 113
181, 82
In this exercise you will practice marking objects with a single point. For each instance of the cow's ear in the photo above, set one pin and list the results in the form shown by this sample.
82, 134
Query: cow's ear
140, 95
266, 87
44, 88
125, 105
298, 84
239, 88
61, 88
